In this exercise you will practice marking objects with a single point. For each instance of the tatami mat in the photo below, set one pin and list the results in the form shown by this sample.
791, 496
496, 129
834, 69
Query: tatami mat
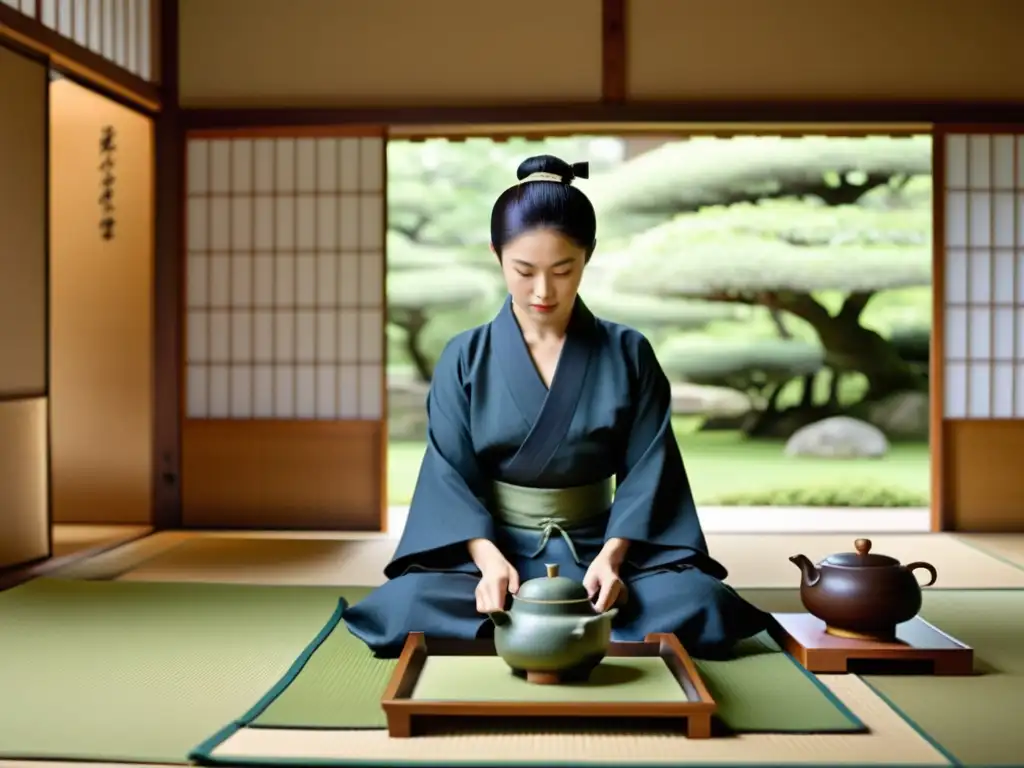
269, 561
1008, 546
754, 561
891, 741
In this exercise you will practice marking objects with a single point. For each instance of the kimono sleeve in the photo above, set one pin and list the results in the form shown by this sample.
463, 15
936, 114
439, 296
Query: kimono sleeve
447, 508
653, 506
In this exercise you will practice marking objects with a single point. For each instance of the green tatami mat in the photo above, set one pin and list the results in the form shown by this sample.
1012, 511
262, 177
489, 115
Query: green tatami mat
975, 719
132, 671
979, 719
341, 684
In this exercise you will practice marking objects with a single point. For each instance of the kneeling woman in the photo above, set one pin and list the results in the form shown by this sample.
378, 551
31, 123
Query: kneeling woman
550, 441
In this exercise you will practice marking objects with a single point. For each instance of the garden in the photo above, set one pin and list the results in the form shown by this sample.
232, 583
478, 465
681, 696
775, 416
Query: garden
785, 283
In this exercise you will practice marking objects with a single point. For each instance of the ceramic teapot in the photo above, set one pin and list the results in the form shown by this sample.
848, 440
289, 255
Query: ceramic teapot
552, 633
861, 595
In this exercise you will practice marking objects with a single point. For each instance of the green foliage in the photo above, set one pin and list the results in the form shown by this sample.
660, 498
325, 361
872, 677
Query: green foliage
641, 311
723, 253
444, 325
851, 390
427, 306
404, 254
837, 495
440, 288
805, 222
738, 363
725, 462
688, 175
442, 279
888, 310
440, 192
901, 192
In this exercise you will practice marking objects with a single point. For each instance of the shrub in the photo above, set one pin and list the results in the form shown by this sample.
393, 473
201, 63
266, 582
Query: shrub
749, 366
824, 496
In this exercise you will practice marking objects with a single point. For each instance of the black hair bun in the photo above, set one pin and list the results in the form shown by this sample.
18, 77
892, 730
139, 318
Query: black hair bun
555, 165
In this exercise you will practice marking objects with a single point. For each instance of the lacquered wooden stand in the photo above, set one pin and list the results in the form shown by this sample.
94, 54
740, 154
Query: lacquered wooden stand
919, 647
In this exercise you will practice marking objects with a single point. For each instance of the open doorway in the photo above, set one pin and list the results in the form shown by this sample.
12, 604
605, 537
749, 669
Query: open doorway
784, 281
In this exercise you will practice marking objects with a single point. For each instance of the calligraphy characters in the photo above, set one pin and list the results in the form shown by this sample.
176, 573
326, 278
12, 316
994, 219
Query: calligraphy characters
108, 148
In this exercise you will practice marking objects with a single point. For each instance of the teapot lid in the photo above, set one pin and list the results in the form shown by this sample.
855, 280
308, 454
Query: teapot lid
552, 589
861, 558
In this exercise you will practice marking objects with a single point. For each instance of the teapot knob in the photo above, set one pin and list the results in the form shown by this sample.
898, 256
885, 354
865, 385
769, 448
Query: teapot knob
552, 570
863, 546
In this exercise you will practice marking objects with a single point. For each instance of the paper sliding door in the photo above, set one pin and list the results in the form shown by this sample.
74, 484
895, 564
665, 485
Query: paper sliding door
284, 332
118, 30
981, 336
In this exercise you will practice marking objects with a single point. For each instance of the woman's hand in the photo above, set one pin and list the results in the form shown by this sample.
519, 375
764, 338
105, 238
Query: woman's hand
498, 578
602, 578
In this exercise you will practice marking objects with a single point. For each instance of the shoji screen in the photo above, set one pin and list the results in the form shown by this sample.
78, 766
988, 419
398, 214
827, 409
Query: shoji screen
982, 338
24, 306
118, 30
284, 331
984, 277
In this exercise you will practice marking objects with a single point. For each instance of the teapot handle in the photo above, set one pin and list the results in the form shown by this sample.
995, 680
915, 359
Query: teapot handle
926, 566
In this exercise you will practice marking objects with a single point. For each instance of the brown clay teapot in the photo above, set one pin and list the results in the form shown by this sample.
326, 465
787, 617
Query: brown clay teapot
861, 595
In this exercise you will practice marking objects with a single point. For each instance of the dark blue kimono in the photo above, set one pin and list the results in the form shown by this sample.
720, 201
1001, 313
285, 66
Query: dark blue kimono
607, 413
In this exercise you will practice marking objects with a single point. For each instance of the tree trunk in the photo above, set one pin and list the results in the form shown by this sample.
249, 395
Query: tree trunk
850, 347
807, 397
833, 388
413, 326
754, 421
780, 323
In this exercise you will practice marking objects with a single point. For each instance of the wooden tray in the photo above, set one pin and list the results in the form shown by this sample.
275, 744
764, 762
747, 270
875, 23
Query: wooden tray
406, 713
919, 647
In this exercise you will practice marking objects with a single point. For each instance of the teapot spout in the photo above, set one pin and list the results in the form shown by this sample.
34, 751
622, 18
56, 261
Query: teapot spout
810, 572
500, 618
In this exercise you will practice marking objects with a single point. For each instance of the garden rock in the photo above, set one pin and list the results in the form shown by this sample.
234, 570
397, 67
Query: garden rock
838, 437
901, 416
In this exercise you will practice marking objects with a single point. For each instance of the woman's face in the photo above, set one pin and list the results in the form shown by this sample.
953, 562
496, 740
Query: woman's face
542, 270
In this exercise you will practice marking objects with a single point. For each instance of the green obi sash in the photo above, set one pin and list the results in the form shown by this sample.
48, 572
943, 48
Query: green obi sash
552, 510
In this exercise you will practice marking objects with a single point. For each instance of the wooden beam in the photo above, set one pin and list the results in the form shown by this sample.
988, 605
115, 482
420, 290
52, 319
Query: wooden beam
537, 131
168, 258
595, 114
941, 511
80, 62
613, 51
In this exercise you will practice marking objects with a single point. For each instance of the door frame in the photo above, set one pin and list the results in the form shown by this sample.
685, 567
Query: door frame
31, 54
939, 514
